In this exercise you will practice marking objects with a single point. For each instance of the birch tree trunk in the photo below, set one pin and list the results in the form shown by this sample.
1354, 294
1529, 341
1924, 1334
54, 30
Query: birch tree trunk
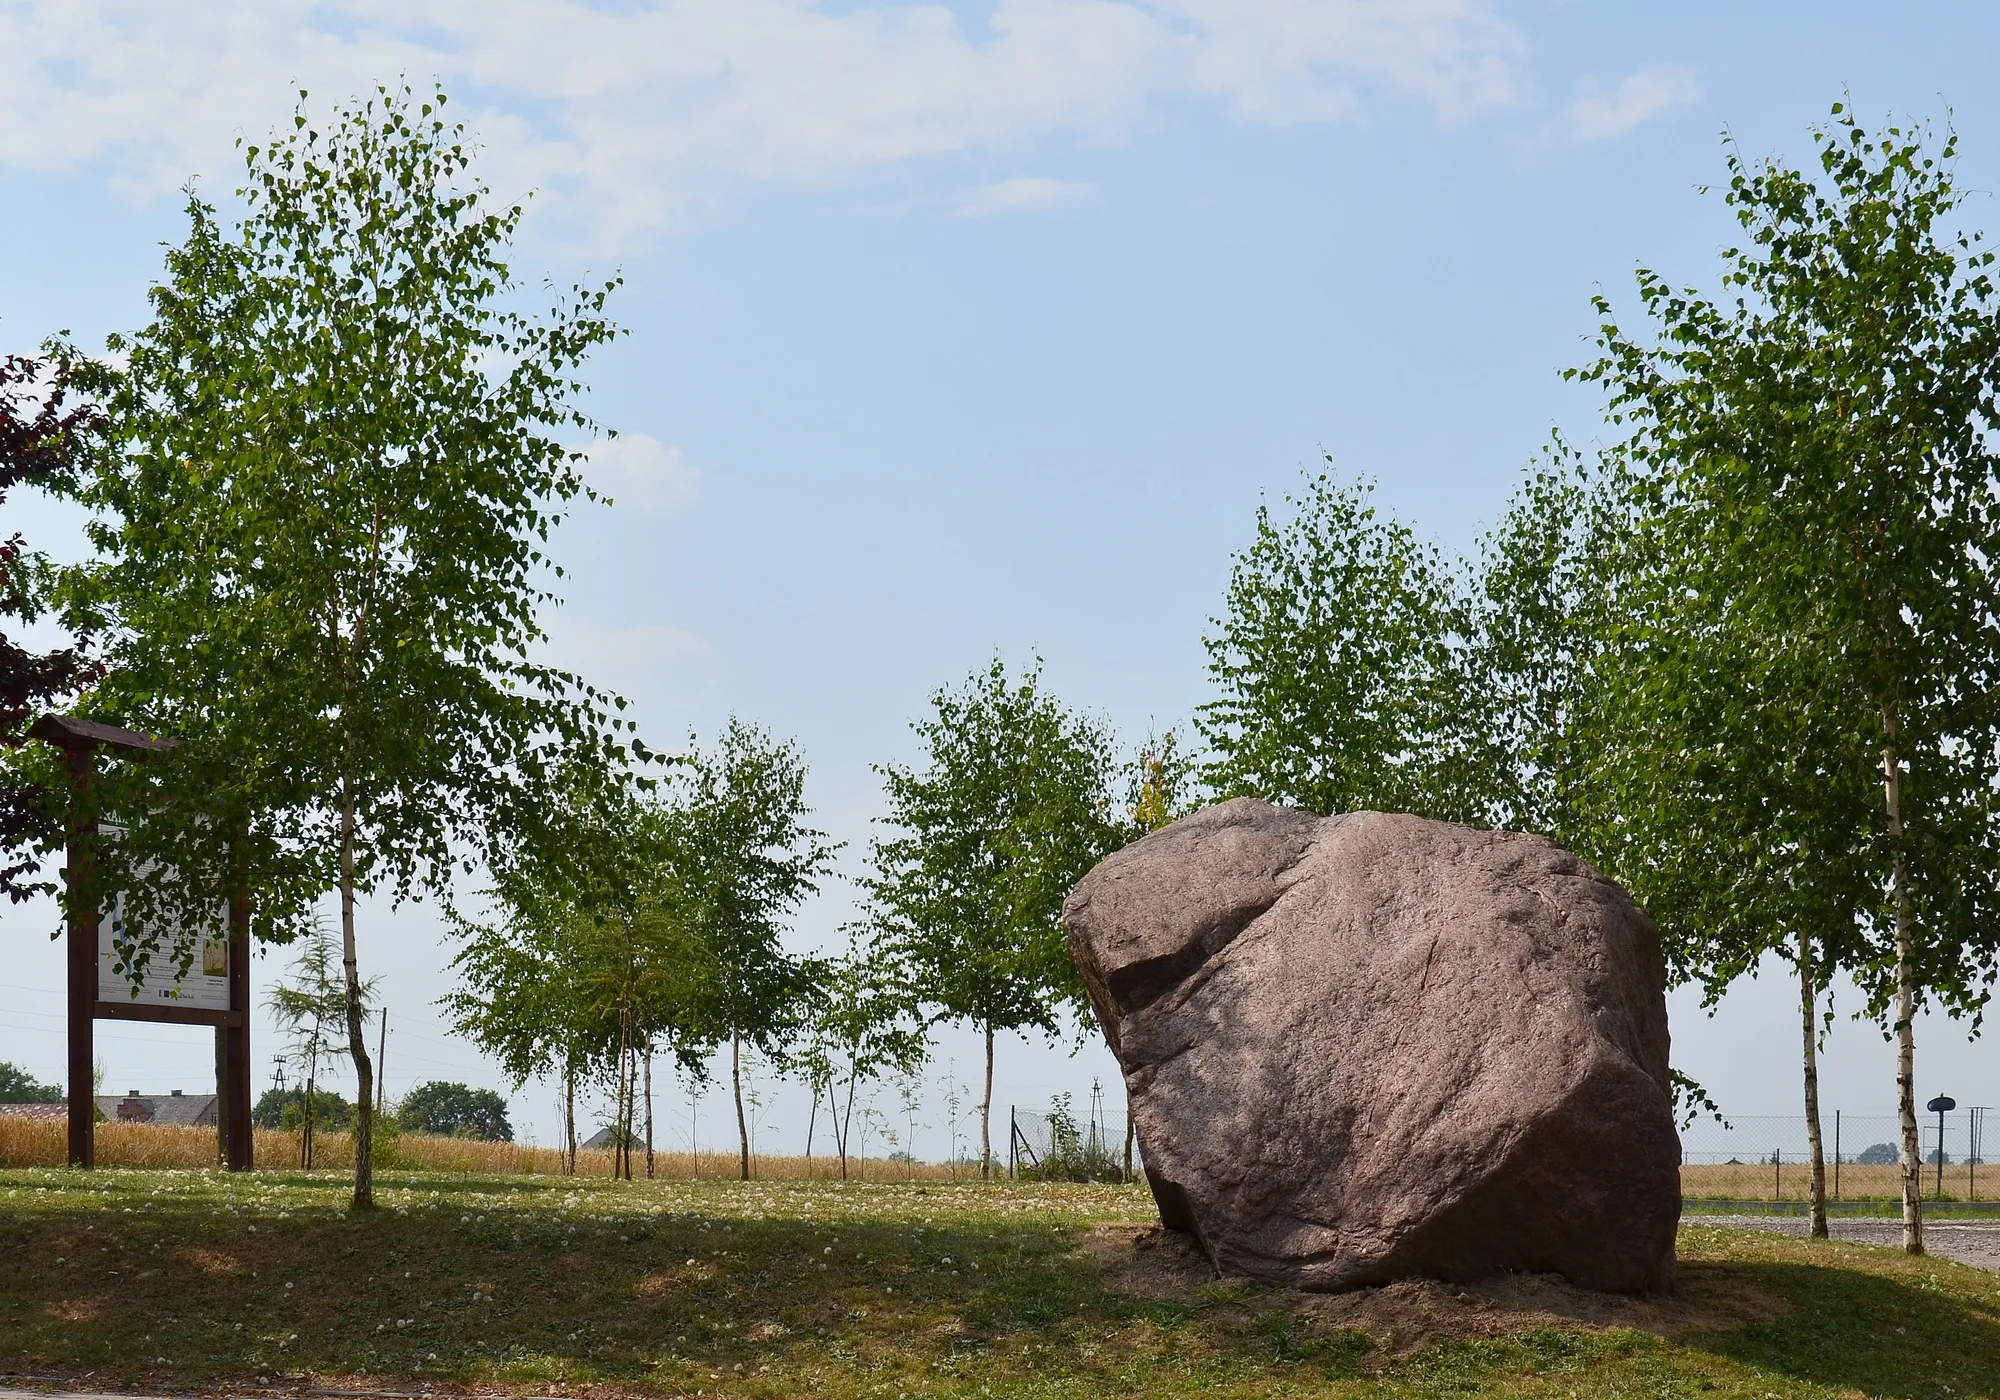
1906, 995
742, 1123
986, 1114
357, 1040
621, 1149
844, 1124
569, 1116
1808, 1011
631, 1103
649, 1108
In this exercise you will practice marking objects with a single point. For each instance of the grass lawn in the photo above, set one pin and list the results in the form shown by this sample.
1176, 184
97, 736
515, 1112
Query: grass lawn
184, 1280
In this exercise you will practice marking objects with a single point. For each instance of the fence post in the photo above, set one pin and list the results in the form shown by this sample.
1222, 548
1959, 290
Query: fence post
1777, 1173
1013, 1136
1836, 1154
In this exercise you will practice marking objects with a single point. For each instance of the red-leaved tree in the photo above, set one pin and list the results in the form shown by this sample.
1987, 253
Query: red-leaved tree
40, 430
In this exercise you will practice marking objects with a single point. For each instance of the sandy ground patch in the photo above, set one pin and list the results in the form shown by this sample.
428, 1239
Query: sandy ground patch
1163, 1266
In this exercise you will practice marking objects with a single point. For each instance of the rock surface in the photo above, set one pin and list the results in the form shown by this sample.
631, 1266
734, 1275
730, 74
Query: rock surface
1366, 1047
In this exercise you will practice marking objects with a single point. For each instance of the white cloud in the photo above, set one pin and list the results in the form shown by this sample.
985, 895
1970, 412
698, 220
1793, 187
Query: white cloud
1294, 60
640, 471
1024, 194
1599, 116
635, 119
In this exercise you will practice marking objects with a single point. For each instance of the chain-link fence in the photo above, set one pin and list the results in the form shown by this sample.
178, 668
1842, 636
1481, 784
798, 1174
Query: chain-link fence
1769, 1157
1755, 1157
1068, 1143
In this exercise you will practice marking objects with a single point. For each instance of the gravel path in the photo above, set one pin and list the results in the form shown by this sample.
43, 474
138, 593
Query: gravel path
1975, 1242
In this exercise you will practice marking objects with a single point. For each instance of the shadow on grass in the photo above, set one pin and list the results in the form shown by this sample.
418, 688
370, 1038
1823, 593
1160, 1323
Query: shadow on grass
481, 1288
1905, 1335
843, 1295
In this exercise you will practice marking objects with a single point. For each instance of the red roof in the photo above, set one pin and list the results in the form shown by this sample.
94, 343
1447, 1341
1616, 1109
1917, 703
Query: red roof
40, 1112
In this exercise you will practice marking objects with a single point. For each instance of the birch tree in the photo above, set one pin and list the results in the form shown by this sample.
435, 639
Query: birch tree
324, 532
1012, 804
1813, 460
586, 957
741, 859
864, 1023
1338, 667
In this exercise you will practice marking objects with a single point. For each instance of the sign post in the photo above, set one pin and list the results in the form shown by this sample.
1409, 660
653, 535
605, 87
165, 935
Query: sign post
1941, 1105
218, 994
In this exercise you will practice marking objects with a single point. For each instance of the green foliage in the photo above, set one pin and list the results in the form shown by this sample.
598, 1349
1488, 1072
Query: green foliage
311, 1009
1539, 615
385, 1144
1010, 809
455, 1110
1340, 667
323, 531
741, 860
864, 1023
19, 1086
589, 952
1013, 804
1814, 470
1160, 785
1803, 735
634, 920
286, 1108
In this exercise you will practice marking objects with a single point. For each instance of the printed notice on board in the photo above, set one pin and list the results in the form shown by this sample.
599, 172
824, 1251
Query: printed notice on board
206, 987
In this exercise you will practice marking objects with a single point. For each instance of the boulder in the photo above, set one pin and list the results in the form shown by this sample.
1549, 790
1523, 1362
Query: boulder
1366, 1047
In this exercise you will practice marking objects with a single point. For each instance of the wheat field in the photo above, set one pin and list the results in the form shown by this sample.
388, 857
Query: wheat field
27, 1143
1757, 1181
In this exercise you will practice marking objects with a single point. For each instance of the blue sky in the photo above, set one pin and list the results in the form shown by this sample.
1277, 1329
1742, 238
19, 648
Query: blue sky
966, 327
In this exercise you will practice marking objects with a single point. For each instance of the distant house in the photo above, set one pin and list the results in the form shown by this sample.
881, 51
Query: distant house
606, 1137
176, 1110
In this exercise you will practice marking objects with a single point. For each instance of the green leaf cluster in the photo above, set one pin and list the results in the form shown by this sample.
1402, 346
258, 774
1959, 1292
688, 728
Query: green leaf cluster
454, 1110
1011, 806
1340, 667
331, 467
650, 918
19, 1086
1808, 600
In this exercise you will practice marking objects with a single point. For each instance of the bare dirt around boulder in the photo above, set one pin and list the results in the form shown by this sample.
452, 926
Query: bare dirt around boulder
1167, 1266
1370, 1047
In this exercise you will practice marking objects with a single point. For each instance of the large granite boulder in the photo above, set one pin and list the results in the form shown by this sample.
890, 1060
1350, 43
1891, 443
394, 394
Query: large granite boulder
1367, 1046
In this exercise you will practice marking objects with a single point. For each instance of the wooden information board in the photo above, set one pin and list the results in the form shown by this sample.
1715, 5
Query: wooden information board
216, 992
